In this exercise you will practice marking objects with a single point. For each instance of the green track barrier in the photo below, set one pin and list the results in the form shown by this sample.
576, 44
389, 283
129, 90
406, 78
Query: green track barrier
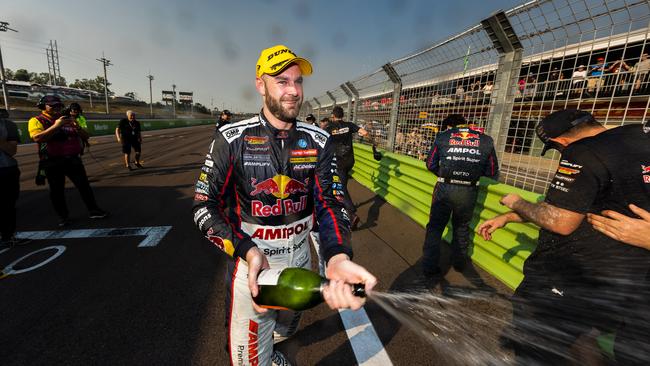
405, 183
107, 127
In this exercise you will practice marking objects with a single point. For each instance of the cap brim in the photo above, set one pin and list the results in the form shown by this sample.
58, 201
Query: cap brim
305, 67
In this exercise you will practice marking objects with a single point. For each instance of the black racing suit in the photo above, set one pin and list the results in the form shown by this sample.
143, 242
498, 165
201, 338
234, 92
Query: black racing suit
341, 133
459, 157
263, 187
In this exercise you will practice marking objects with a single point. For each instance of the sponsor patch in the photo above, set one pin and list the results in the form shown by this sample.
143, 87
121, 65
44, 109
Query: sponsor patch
304, 166
221, 243
340, 131
200, 212
202, 186
312, 159
280, 207
257, 157
564, 178
257, 163
463, 150
206, 169
256, 140
645, 169
568, 171
203, 177
302, 143
280, 186
646, 179
309, 152
336, 178
570, 165
209, 163
200, 197
257, 149
473, 143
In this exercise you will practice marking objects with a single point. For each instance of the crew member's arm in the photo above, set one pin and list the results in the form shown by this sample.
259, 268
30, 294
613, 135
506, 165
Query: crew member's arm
117, 134
40, 134
10, 144
624, 228
571, 194
433, 161
359, 130
489, 226
139, 131
334, 232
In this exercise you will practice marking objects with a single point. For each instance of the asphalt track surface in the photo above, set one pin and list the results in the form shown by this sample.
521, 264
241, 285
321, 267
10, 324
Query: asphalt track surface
106, 301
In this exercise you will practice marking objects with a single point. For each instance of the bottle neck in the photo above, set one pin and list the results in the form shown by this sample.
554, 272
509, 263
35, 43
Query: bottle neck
358, 289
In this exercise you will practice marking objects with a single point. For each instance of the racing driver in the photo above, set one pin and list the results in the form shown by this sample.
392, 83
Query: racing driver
263, 183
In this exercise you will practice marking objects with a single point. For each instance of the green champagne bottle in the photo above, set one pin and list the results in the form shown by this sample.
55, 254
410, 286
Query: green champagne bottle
293, 289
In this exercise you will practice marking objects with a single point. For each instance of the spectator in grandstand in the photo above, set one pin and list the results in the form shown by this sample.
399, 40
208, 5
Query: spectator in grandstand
459, 157
311, 119
324, 122
531, 86
9, 181
76, 112
618, 80
460, 93
641, 70
224, 118
59, 149
129, 134
487, 89
341, 134
578, 79
596, 72
577, 278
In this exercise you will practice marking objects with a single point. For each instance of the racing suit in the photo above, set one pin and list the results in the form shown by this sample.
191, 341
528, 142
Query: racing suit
459, 157
263, 187
341, 133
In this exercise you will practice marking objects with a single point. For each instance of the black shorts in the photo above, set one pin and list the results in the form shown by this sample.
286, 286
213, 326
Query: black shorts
128, 144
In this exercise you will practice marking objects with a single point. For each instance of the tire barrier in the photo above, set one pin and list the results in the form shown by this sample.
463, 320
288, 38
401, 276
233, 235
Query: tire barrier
405, 183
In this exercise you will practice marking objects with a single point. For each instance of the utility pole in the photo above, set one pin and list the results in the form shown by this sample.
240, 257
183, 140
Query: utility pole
105, 62
4, 26
150, 77
55, 63
50, 79
174, 99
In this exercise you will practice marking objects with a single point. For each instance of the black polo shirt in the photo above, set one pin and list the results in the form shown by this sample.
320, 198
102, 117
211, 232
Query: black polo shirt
604, 172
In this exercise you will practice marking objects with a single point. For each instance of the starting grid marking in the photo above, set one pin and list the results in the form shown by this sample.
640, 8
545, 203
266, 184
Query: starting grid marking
152, 234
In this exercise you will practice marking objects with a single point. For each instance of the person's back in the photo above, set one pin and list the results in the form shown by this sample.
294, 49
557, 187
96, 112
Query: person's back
342, 133
464, 155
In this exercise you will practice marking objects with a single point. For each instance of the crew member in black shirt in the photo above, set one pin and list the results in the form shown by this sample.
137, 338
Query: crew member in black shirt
341, 133
224, 118
459, 157
577, 278
129, 134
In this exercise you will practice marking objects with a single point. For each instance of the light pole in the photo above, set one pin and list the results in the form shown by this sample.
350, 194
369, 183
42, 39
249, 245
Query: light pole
174, 99
4, 26
150, 77
105, 62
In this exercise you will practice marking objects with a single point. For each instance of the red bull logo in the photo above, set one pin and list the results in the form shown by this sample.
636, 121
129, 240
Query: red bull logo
645, 169
465, 135
279, 186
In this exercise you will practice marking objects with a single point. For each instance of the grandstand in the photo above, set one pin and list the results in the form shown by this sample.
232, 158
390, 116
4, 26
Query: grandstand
506, 93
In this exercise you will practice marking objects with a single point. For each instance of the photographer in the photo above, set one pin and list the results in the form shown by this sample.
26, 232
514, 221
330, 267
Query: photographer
59, 148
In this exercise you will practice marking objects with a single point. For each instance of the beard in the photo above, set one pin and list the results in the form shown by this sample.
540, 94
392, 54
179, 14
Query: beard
275, 107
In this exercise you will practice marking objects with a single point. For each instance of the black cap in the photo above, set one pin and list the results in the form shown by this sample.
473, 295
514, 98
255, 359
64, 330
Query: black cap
557, 123
226, 112
310, 117
49, 100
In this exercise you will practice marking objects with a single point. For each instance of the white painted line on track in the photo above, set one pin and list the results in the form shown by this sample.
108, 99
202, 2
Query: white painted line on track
153, 234
366, 345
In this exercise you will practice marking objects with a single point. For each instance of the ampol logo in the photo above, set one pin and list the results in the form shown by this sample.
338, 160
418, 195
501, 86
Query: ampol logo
279, 186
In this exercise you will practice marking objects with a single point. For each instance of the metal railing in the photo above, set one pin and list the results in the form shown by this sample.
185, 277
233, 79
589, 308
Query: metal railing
504, 75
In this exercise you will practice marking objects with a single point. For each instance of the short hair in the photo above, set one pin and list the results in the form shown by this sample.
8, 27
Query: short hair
326, 120
576, 130
337, 112
129, 112
454, 120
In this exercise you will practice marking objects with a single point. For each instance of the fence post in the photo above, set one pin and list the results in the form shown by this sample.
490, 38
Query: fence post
332, 98
355, 92
506, 42
349, 110
317, 110
397, 91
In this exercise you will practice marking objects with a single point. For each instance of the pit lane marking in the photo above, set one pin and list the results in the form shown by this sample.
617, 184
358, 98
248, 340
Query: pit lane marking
9, 269
153, 234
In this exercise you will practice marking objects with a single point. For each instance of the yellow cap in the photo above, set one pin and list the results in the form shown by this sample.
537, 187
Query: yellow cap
275, 59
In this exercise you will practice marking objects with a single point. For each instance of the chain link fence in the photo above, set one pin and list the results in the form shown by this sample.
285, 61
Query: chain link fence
504, 75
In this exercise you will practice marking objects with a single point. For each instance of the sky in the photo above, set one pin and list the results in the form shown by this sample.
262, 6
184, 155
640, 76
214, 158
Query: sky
211, 47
